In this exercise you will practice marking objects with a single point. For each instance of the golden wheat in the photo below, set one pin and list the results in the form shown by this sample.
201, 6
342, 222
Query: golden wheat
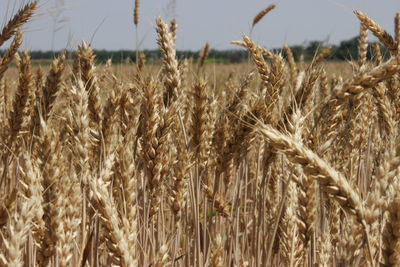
162, 165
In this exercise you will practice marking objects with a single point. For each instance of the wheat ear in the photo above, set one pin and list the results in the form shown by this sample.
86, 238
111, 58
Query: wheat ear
391, 235
9, 54
292, 247
136, 13
262, 13
378, 31
110, 121
21, 17
333, 182
377, 54
172, 81
156, 140
87, 70
386, 112
217, 257
325, 250
292, 65
69, 201
31, 184
275, 83
142, 62
18, 228
52, 165
8, 204
126, 168
117, 236
397, 29
173, 27
28, 209
362, 45
53, 85
320, 57
20, 117
203, 55
179, 188
258, 60
201, 117
106, 71
368, 78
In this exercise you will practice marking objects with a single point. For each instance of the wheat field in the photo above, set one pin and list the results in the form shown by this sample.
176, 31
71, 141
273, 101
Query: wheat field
272, 163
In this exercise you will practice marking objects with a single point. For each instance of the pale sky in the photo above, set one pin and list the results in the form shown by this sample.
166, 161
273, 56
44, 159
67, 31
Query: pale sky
109, 25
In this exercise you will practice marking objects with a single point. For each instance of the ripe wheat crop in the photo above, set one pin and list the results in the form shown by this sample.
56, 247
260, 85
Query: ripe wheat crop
278, 164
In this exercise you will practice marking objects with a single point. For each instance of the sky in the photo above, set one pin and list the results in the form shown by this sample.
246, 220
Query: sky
107, 24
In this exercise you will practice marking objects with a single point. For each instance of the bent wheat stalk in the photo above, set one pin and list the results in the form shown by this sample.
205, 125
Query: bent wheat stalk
332, 181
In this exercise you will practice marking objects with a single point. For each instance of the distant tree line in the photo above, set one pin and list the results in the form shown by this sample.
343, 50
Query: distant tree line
346, 50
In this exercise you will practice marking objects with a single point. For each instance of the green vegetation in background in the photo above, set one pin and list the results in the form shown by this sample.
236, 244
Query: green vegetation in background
346, 50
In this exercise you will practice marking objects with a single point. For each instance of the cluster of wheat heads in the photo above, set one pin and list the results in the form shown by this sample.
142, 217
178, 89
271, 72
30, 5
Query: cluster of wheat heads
163, 168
